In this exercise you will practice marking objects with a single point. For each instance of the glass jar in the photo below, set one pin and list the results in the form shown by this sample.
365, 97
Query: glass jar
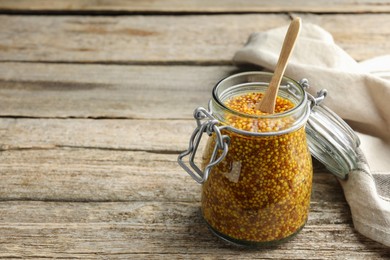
256, 168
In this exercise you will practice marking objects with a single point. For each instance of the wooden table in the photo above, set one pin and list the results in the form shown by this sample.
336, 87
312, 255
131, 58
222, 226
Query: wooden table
96, 101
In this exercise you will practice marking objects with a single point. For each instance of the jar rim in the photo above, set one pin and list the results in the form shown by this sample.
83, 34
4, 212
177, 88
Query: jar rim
266, 116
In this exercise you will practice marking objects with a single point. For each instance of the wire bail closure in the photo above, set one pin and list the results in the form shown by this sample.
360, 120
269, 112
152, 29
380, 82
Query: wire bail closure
315, 101
209, 126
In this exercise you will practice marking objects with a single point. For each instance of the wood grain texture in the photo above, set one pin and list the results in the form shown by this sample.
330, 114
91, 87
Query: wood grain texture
166, 242
203, 6
160, 231
80, 174
142, 205
94, 175
139, 212
144, 135
106, 91
134, 39
88, 151
170, 39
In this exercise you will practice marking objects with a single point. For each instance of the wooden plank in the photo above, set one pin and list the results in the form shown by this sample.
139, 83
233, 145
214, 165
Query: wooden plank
123, 240
191, 39
145, 135
169, 241
94, 175
165, 230
214, 6
105, 91
155, 213
132, 39
170, 213
69, 174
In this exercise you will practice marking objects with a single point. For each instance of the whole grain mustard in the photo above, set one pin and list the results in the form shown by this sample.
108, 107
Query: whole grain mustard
260, 192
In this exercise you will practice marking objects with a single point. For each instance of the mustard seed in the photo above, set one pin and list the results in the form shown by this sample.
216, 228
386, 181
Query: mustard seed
268, 200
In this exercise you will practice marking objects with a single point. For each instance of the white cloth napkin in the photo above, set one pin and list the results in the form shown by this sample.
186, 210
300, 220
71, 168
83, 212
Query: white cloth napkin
360, 94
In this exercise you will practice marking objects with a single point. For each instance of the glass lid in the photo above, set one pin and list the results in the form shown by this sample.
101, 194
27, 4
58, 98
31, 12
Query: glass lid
332, 141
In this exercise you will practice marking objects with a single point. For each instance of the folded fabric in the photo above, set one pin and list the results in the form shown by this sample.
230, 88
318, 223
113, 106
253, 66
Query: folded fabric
360, 94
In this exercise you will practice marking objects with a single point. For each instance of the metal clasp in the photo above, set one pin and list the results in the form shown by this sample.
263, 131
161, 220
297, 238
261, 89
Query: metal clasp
315, 101
209, 126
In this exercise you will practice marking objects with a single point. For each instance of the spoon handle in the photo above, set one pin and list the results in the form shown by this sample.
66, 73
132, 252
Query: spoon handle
267, 103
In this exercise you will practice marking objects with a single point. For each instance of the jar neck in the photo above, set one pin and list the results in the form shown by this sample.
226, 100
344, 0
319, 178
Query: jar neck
248, 124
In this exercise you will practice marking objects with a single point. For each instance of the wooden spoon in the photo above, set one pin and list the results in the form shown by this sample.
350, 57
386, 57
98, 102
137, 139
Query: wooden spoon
267, 103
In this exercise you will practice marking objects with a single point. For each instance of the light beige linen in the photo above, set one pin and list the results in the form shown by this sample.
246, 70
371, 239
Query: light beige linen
359, 93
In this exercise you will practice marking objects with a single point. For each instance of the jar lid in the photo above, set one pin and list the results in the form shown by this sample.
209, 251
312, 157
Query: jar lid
332, 141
